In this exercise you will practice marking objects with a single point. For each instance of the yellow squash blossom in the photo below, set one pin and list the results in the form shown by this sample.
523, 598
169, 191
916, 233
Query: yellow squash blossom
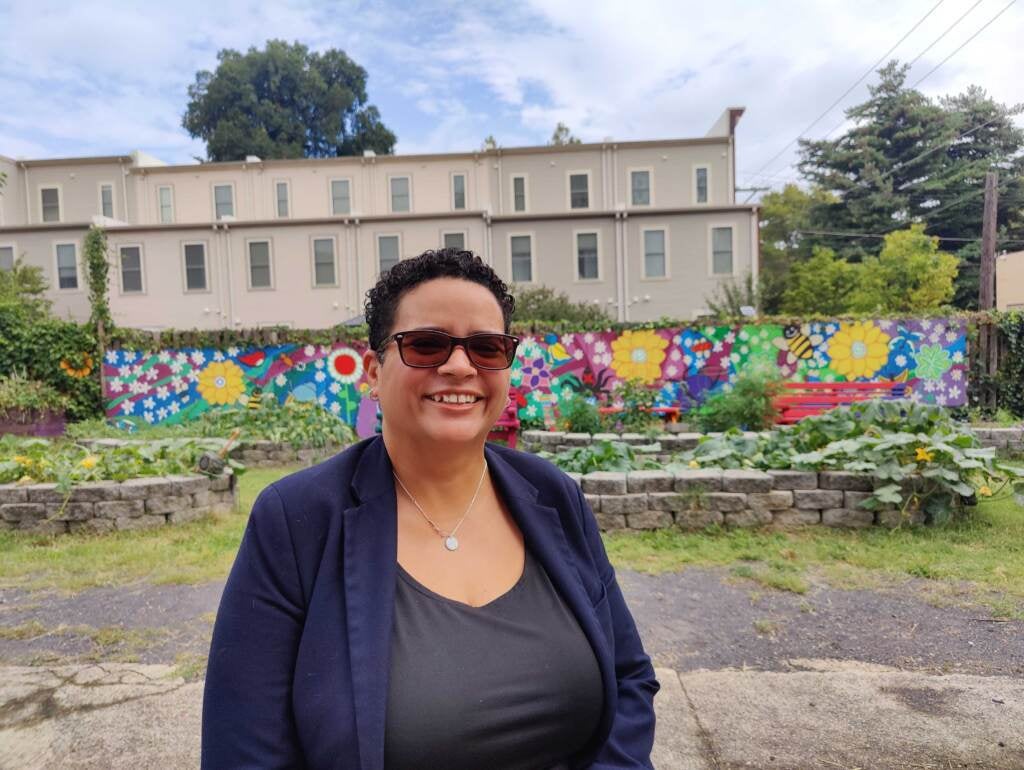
89, 462
22, 460
221, 383
694, 464
637, 355
26, 480
985, 491
858, 349
924, 456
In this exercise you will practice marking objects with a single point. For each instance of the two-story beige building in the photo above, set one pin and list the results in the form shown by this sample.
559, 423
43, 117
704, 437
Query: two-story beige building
643, 229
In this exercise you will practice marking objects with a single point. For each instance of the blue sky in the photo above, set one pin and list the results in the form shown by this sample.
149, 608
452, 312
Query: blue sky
95, 77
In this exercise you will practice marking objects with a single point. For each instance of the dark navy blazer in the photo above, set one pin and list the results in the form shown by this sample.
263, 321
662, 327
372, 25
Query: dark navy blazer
299, 662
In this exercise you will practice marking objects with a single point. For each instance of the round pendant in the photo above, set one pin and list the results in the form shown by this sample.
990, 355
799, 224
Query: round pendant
451, 543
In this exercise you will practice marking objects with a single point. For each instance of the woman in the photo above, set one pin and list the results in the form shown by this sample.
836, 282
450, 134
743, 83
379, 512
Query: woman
422, 599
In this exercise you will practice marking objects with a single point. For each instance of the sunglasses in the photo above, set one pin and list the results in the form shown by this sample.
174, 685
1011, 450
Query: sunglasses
426, 349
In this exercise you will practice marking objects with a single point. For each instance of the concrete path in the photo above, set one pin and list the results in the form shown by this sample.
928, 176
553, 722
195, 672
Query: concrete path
820, 714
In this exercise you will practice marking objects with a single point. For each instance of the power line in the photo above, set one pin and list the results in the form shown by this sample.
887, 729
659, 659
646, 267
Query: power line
948, 30
968, 40
850, 89
843, 234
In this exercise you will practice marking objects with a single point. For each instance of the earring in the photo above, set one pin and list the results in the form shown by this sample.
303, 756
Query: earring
373, 395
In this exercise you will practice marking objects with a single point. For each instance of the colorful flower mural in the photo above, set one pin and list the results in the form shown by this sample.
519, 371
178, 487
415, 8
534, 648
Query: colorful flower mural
684, 365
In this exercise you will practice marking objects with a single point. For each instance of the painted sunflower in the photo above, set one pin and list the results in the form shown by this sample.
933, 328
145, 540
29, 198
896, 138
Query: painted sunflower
221, 382
637, 355
858, 349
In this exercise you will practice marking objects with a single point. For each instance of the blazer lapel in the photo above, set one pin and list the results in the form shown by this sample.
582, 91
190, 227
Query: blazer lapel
370, 558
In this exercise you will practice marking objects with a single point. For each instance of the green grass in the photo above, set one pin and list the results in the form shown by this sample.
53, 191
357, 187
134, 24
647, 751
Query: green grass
191, 553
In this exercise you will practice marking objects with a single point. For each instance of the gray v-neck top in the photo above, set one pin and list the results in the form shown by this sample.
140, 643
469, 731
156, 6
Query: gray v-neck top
511, 685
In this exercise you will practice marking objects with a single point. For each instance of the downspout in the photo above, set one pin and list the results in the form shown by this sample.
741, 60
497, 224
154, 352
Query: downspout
618, 264
488, 240
501, 185
124, 190
28, 205
355, 259
231, 281
625, 265
755, 244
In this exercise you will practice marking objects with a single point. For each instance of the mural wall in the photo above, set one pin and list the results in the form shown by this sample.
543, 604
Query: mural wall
685, 364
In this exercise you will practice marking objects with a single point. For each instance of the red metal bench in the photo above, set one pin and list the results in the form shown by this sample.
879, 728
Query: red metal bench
805, 399
671, 413
507, 427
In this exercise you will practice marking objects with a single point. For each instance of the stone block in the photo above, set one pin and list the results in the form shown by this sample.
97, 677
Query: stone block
118, 509
188, 514
688, 440
723, 501
698, 480
776, 500
605, 437
22, 511
748, 518
308, 455
847, 517
634, 438
794, 517
92, 525
12, 493
634, 503
649, 520
551, 439
854, 499
205, 497
689, 520
140, 522
674, 501
140, 489
576, 439
167, 504
44, 526
221, 483
608, 522
223, 507
605, 483
594, 501
187, 485
737, 480
70, 511
250, 456
45, 493
650, 481
845, 481
577, 477
794, 479
532, 436
893, 518
817, 499
95, 492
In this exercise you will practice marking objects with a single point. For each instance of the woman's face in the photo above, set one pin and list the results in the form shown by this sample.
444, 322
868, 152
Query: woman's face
406, 394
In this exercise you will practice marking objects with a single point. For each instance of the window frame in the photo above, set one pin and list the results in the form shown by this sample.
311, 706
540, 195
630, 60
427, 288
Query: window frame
463, 233
707, 169
575, 255
60, 202
113, 198
77, 289
526, 192
312, 261
712, 226
208, 288
650, 186
451, 186
288, 199
142, 269
377, 237
330, 196
13, 246
213, 199
662, 228
270, 263
568, 189
533, 257
391, 195
159, 204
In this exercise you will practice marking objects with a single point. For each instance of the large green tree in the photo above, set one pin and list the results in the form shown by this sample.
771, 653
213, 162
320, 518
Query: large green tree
284, 102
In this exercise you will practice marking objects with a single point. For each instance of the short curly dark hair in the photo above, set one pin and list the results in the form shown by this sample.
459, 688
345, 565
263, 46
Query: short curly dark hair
382, 300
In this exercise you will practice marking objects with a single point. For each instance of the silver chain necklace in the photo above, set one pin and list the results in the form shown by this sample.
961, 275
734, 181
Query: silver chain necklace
450, 541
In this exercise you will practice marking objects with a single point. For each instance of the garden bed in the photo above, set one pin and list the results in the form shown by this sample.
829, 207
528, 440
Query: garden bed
104, 506
254, 454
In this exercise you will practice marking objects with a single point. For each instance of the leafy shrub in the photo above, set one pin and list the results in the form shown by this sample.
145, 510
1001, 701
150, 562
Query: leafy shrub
600, 456
20, 394
748, 405
637, 399
577, 415
545, 304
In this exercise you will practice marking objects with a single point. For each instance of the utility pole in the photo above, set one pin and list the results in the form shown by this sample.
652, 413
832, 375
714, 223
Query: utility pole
988, 336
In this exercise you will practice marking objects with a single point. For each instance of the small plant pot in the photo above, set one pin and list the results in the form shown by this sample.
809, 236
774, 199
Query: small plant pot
21, 423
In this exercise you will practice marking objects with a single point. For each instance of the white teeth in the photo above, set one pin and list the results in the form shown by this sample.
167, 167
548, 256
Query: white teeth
454, 398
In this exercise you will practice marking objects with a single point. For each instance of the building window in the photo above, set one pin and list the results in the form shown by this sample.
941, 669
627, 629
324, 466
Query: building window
165, 202
586, 256
721, 250
579, 191
67, 266
400, 194
50, 198
640, 186
107, 200
654, 254
281, 195
387, 251
259, 265
455, 241
195, 267
341, 197
224, 200
519, 193
458, 191
131, 269
324, 273
521, 249
701, 184
6, 257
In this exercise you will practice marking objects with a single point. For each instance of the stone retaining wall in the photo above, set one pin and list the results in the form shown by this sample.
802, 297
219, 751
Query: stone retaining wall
1008, 440
109, 505
255, 454
693, 499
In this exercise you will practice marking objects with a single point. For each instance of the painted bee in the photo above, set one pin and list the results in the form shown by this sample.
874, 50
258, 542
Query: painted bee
797, 343
255, 399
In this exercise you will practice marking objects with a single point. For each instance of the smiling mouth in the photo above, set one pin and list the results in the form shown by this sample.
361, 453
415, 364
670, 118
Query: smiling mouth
464, 400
